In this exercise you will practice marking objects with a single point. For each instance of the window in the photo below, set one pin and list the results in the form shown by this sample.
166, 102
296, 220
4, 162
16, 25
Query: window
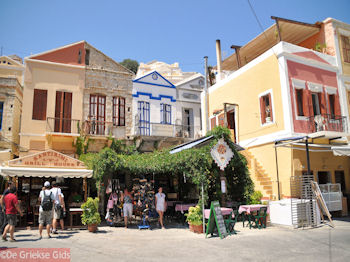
316, 104
63, 112
331, 99
144, 115
79, 57
118, 111
87, 57
97, 114
299, 98
346, 48
165, 114
266, 109
1, 113
39, 104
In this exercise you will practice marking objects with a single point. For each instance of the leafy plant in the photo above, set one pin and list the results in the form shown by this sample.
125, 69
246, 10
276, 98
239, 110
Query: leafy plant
255, 198
194, 216
90, 212
320, 47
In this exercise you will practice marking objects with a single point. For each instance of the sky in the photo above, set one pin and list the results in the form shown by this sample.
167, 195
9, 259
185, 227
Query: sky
181, 31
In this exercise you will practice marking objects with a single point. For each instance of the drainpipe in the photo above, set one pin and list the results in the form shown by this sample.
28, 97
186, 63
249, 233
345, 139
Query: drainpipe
204, 104
218, 59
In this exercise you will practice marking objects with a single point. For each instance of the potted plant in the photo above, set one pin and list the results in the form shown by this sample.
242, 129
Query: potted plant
195, 219
90, 216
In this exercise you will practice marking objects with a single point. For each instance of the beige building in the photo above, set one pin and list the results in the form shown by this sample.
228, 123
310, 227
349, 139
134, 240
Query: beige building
74, 93
11, 94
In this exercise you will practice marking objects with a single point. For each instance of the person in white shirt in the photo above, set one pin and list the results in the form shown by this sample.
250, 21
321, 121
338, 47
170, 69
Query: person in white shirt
45, 210
56, 192
160, 205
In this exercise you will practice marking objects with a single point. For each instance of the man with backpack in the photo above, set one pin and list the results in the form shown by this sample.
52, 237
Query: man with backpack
46, 200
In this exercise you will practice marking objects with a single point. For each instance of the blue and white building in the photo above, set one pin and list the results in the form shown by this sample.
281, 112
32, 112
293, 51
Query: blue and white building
154, 106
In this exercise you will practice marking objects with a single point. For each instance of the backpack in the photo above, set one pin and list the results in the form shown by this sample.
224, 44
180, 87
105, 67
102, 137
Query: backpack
46, 204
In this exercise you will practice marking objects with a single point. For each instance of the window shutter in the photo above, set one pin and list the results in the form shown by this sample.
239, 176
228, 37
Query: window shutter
322, 99
39, 104
306, 102
337, 110
213, 122
67, 112
222, 120
262, 110
270, 105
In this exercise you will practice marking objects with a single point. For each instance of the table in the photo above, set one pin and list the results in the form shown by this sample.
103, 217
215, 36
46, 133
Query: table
72, 212
171, 203
183, 207
251, 208
224, 210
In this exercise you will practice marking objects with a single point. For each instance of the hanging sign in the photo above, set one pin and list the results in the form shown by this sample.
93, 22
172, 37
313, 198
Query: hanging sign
221, 153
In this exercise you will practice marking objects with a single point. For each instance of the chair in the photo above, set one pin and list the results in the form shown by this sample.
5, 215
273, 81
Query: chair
246, 217
260, 218
230, 223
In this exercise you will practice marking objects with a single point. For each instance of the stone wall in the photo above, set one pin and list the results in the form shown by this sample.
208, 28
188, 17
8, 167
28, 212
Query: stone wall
11, 95
105, 76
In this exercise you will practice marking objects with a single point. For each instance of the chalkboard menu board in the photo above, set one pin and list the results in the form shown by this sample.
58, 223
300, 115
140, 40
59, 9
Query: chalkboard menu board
216, 220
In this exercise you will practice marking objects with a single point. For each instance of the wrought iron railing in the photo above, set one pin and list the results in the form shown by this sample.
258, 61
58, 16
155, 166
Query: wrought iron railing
167, 130
62, 125
97, 128
327, 122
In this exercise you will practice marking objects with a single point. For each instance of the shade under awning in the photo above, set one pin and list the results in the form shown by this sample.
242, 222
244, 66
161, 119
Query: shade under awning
45, 172
341, 150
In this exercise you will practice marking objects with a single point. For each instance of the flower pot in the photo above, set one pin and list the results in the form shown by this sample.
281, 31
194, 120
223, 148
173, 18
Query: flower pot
196, 229
92, 228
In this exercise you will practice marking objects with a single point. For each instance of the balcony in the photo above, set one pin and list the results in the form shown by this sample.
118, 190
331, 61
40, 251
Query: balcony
166, 130
62, 126
327, 122
103, 129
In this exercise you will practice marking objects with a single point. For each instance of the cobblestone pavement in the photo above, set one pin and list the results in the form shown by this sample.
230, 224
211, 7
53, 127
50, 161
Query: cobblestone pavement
179, 244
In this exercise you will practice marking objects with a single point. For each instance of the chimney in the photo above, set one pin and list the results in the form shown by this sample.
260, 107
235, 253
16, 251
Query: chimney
218, 59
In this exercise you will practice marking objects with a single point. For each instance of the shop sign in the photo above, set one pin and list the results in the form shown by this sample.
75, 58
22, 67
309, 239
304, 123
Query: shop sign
221, 153
48, 158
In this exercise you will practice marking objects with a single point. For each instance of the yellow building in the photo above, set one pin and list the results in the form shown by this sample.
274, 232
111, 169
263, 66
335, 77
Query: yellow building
74, 91
277, 90
11, 94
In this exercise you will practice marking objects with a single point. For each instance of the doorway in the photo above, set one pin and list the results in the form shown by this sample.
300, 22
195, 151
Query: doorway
187, 121
323, 177
63, 112
340, 178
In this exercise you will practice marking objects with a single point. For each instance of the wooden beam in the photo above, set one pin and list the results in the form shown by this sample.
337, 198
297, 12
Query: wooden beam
85, 189
278, 31
294, 22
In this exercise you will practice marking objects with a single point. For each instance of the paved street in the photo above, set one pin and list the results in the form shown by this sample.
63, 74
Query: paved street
178, 244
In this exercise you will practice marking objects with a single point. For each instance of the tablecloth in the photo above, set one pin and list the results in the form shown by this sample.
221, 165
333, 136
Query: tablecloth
183, 207
251, 208
224, 210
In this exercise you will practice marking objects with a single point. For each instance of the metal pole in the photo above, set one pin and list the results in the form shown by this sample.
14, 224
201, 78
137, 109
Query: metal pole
203, 208
278, 179
206, 117
307, 156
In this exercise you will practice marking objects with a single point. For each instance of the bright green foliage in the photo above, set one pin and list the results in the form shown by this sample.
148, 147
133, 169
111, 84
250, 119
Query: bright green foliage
255, 198
90, 212
194, 216
196, 164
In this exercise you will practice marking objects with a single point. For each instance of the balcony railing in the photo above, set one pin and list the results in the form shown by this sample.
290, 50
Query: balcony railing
62, 125
168, 130
327, 122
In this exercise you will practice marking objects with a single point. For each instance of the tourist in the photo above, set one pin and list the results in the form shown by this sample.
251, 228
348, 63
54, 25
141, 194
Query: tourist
160, 205
63, 212
127, 206
3, 220
46, 200
56, 193
12, 206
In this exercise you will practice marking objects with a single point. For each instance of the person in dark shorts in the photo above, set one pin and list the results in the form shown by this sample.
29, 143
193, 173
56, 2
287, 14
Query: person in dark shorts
12, 207
3, 219
46, 200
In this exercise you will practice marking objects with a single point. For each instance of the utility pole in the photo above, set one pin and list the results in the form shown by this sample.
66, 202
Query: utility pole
205, 118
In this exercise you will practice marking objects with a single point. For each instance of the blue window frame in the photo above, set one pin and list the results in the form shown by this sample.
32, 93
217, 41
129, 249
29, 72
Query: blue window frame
1, 113
165, 114
144, 115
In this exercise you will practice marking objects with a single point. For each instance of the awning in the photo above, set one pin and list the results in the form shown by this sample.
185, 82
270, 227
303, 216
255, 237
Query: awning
198, 142
341, 150
45, 172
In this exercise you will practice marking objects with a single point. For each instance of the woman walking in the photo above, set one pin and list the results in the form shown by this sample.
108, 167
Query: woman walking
160, 205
